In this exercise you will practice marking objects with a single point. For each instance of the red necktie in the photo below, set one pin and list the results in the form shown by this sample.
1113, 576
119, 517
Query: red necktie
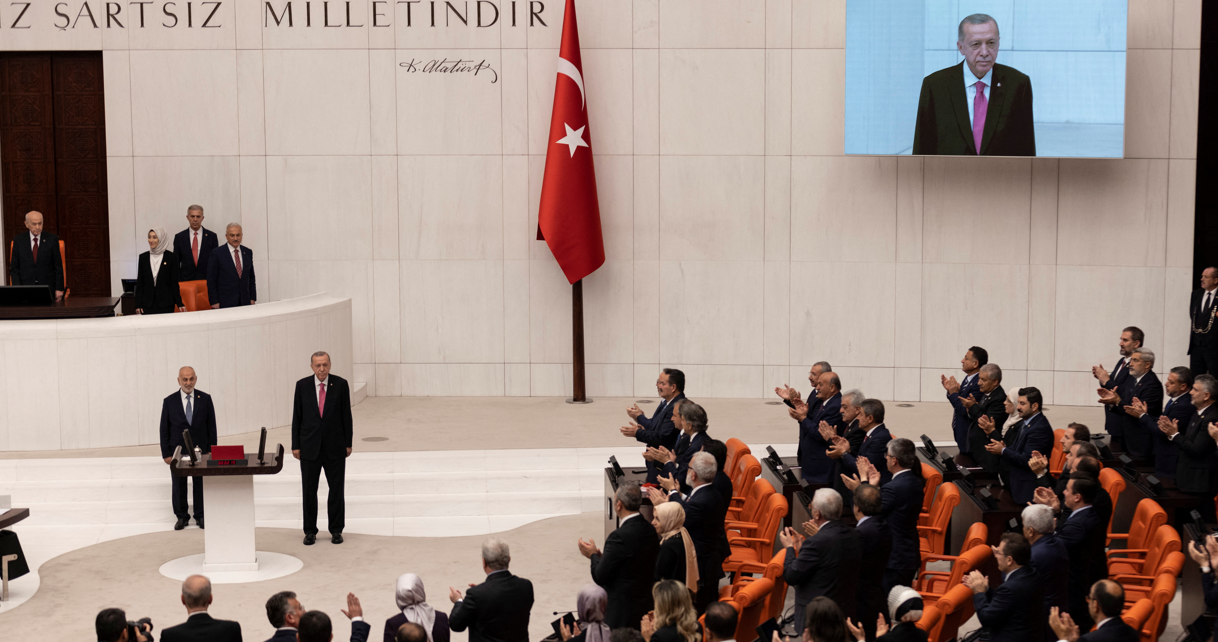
194, 247
35, 249
979, 108
237, 261
321, 399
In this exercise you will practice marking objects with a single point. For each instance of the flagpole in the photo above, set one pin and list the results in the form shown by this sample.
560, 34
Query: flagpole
577, 337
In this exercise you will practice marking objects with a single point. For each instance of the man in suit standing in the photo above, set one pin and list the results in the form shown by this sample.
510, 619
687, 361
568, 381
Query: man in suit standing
875, 441
704, 515
1012, 612
790, 395
1050, 560
986, 416
1035, 434
876, 540
321, 440
815, 464
658, 430
1202, 335
1178, 407
230, 272
1083, 532
193, 410
199, 625
690, 419
962, 395
315, 626
1105, 606
284, 611
977, 107
36, 257
627, 566
1206, 557
1131, 339
827, 562
1141, 384
496, 610
194, 246
900, 505
1196, 472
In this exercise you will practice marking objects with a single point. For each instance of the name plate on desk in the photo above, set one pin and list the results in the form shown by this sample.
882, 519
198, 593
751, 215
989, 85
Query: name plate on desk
227, 462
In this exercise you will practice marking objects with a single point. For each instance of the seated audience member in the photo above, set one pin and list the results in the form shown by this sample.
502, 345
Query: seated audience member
315, 626
111, 626
1013, 612
1084, 534
905, 609
1177, 406
590, 605
815, 464
496, 610
199, 625
876, 540
963, 395
875, 440
677, 559
156, 283
1050, 560
1207, 559
704, 515
1107, 600
412, 605
1141, 384
988, 415
659, 429
626, 566
283, 611
721, 620
901, 503
1196, 473
410, 632
1035, 434
674, 618
723, 481
827, 562
691, 421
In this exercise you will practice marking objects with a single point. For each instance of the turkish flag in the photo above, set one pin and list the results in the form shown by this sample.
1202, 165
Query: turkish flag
569, 219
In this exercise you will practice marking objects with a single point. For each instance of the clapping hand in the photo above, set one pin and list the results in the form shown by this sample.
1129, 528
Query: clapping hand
790, 539
353, 609
800, 411
656, 496
648, 625
826, 431
1063, 625
1136, 408
986, 424
968, 401
851, 483
994, 447
840, 447
856, 631
811, 528
1169, 427
1038, 463
631, 430
977, 582
634, 411
881, 626
1100, 374
950, 384
784, 392
1047, 497
669, 483
667, 456
588, 548
653, 454
867, 471
1108, 397
454, 595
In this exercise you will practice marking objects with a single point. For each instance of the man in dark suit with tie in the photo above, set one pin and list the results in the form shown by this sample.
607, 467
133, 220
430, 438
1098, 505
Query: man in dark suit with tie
315, 626
963, 395
35, 257
900, 505
790, 395
496, 610
1082, 460
1196, 469
977, 107
1083, 532
199, 625
690, 419
987, 416
1050, 560
876, 539
322, 431
1178, 407
875, 441
194, 246
1141, 384
1202, 335
1206, 557
704, 515
626, 568
284, 611
848, 439
1035, 434
658, 430
815, 464
1131, 339
193, 410
826, 563
1012, 612
230, 272
1105, 606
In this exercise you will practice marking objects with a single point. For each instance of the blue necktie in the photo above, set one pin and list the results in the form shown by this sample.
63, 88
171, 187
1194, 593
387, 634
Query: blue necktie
190, 411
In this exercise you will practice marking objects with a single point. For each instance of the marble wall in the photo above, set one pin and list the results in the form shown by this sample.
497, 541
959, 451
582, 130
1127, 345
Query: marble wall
741, 243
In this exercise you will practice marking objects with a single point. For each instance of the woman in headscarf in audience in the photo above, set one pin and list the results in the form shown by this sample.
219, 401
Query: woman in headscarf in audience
156, 284
905, 608
677, 559
590, 604
674, 618
412, 601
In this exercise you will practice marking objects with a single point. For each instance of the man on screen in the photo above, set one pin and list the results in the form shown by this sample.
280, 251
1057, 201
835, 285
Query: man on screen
977, 107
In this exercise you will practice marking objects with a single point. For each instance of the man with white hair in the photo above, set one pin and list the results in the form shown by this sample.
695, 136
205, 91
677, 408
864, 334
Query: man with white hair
199, 626
496, 610
35, 257
704, 515
1141, 384
827, 561
1050, 559
230, 272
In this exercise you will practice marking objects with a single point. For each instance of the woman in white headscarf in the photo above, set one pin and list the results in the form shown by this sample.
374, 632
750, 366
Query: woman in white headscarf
412, 601
156, 285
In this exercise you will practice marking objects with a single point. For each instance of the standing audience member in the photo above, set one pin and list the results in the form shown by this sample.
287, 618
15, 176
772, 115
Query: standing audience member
626, 566
721, 620
1050, 560
1203, 336
905, 608
1035, 434
1131, 339
816, 465
1014, 611
413, 608
677, 558
1196, 472
1208, 561
722, 482
674, 619
827, 562
659, 429
1178, 407
315, 626
876, 540
875, 440
704, 515
988, 415
1084, 534
790, 395
590, 604
284, 611
1107, 599
853, 437
825, 622
496, 610
156, 283
901, 503
193, 410
963, 395
1141, 384
409, 632
199, 625
193, 246
35, 258
230, 272
691, 420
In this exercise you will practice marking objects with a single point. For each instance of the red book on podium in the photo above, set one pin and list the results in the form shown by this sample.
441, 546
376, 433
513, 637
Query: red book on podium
227, 456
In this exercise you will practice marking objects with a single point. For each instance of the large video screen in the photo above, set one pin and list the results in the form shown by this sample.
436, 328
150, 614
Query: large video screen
986, 77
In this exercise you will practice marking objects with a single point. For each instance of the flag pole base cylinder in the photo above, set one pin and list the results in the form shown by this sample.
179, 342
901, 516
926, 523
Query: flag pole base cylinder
574, 400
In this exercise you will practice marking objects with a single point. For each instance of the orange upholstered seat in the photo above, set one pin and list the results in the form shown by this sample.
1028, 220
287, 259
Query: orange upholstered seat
976, 536
933, 479
936, 586
1147, 518
934, 535
750, 602
758, 549
1057, 457
194, 295
744, 474
1131, 572
1114, 485
957, 607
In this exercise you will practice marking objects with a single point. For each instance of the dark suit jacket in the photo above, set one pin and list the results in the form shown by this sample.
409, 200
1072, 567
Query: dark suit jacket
960, 415
1211, 595
223, 284
1051, 562
686, 448
659, 430
496, 610
704, 511
1116, 379
816, 466
164, 294
1167, 455
723, 485
943, 125
855, 436
1150, 391
322, 437
1034, 435
1196, 471
873, 448
173, 422
625, 569
283, 635
439, 630
1203, 331
1102, 504
203, 628
992, 405
827, 564
904, 632
187, 270
1084, 534
47, 271
670, 562
876, 539
1114, 630
1013, 611
901, 502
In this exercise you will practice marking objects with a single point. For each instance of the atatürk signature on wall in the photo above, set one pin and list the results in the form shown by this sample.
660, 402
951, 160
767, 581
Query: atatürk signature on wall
446, 66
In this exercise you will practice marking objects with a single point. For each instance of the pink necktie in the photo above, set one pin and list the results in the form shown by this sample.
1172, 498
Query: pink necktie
321, 399
979, 107
194, 247
237, 261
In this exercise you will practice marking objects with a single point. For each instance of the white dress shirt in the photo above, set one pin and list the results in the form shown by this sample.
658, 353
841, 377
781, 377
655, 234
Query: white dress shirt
970, 90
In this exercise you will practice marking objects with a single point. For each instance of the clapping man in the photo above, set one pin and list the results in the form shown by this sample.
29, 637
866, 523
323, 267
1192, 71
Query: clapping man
962, 395
1104, 605
626, 566
1035, 434
659, 430
900, 505
1178, 407
1207, 559
987, 416
1196, 472
1013, 612
1131, 339
875, 441
1141, 384
496, 610
815, 464
827, 562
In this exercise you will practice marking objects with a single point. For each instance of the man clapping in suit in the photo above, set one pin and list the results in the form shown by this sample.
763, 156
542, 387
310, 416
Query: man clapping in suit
1013, 611
230, 272
187, 409
626, 567
1035, 435
199, 626
321, 439
1106, 602
496, 610
827, 562
962, 395
1141, 384
658, 430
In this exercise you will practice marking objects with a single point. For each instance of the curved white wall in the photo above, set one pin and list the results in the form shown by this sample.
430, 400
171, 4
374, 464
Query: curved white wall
96, 383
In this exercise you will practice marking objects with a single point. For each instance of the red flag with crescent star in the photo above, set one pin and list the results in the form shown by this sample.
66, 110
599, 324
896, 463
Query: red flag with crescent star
569, 219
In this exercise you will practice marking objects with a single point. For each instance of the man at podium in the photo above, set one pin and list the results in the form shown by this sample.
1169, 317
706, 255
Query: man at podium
321, 440
36, 257
187, 409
